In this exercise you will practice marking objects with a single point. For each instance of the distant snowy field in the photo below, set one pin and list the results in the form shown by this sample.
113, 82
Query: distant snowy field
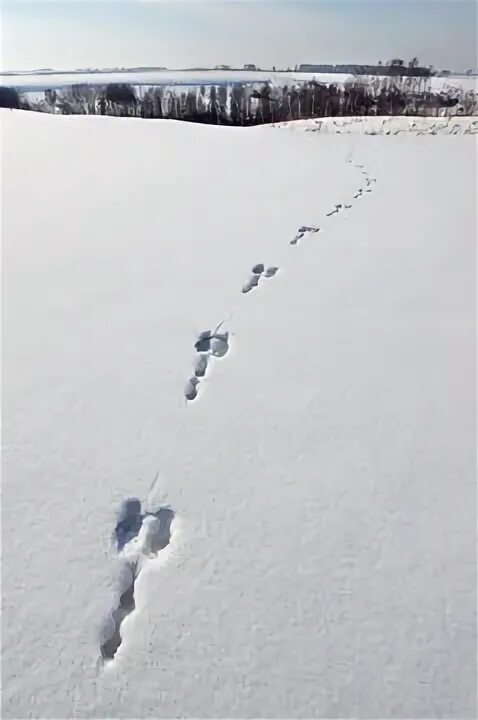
42, 81
322, 556
165, 77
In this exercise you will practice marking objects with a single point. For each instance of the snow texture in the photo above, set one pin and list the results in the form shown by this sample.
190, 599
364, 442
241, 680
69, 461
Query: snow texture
321, 556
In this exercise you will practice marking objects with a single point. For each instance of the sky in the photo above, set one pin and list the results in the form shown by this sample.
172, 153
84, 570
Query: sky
129, 33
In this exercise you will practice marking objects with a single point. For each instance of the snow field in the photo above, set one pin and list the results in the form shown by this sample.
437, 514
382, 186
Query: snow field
321, 560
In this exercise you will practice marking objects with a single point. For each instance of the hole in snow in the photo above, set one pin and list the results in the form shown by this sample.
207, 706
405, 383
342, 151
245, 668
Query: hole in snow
139, 536
251, 283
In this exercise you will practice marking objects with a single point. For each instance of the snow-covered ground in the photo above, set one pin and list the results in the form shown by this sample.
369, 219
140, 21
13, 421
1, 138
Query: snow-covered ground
168, 77
42, 81
385, 125
322, 552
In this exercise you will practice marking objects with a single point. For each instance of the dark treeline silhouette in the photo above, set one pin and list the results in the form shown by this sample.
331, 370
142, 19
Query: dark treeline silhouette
9, 98
392, 70
251, 103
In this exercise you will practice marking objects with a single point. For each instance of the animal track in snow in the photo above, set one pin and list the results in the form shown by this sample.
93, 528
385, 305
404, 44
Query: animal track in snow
302, 231
213, 344
210, 344
251, 283
220, 344
308, 229
139, 536
125, 607
271, 271
258, 271
296, 239
334, 212
201, 365
190, 390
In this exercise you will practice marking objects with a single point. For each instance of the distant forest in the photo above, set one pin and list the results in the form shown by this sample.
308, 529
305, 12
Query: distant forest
250, 103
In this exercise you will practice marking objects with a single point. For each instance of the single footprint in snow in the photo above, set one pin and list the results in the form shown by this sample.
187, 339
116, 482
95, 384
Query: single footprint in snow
309, 229
203, 343
129, 522
298, 237
271, 271
337, 208
220, 344
201, 365
302, 231
348, 207
190, 390
359, 194
251, 283
258, 269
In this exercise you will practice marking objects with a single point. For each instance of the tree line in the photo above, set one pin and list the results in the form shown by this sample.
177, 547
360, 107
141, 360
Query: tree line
249, 103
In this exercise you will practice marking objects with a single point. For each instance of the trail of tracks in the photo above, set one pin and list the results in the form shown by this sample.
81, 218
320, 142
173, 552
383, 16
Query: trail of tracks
212, 345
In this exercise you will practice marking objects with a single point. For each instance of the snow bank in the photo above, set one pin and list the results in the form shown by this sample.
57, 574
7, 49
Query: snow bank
385, 126
322, 557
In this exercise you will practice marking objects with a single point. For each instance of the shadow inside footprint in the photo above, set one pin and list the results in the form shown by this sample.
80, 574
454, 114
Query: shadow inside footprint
159, 533
129, 522
203, 345
220, 344
298, 237
153, 535
190, 390
271, 271
251, 283
201, 365
309, 229
258, 269
133, 523
125, 607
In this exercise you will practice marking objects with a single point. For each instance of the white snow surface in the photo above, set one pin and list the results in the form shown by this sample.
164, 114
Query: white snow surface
169, 77
379, 125
322, 559
40, 81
